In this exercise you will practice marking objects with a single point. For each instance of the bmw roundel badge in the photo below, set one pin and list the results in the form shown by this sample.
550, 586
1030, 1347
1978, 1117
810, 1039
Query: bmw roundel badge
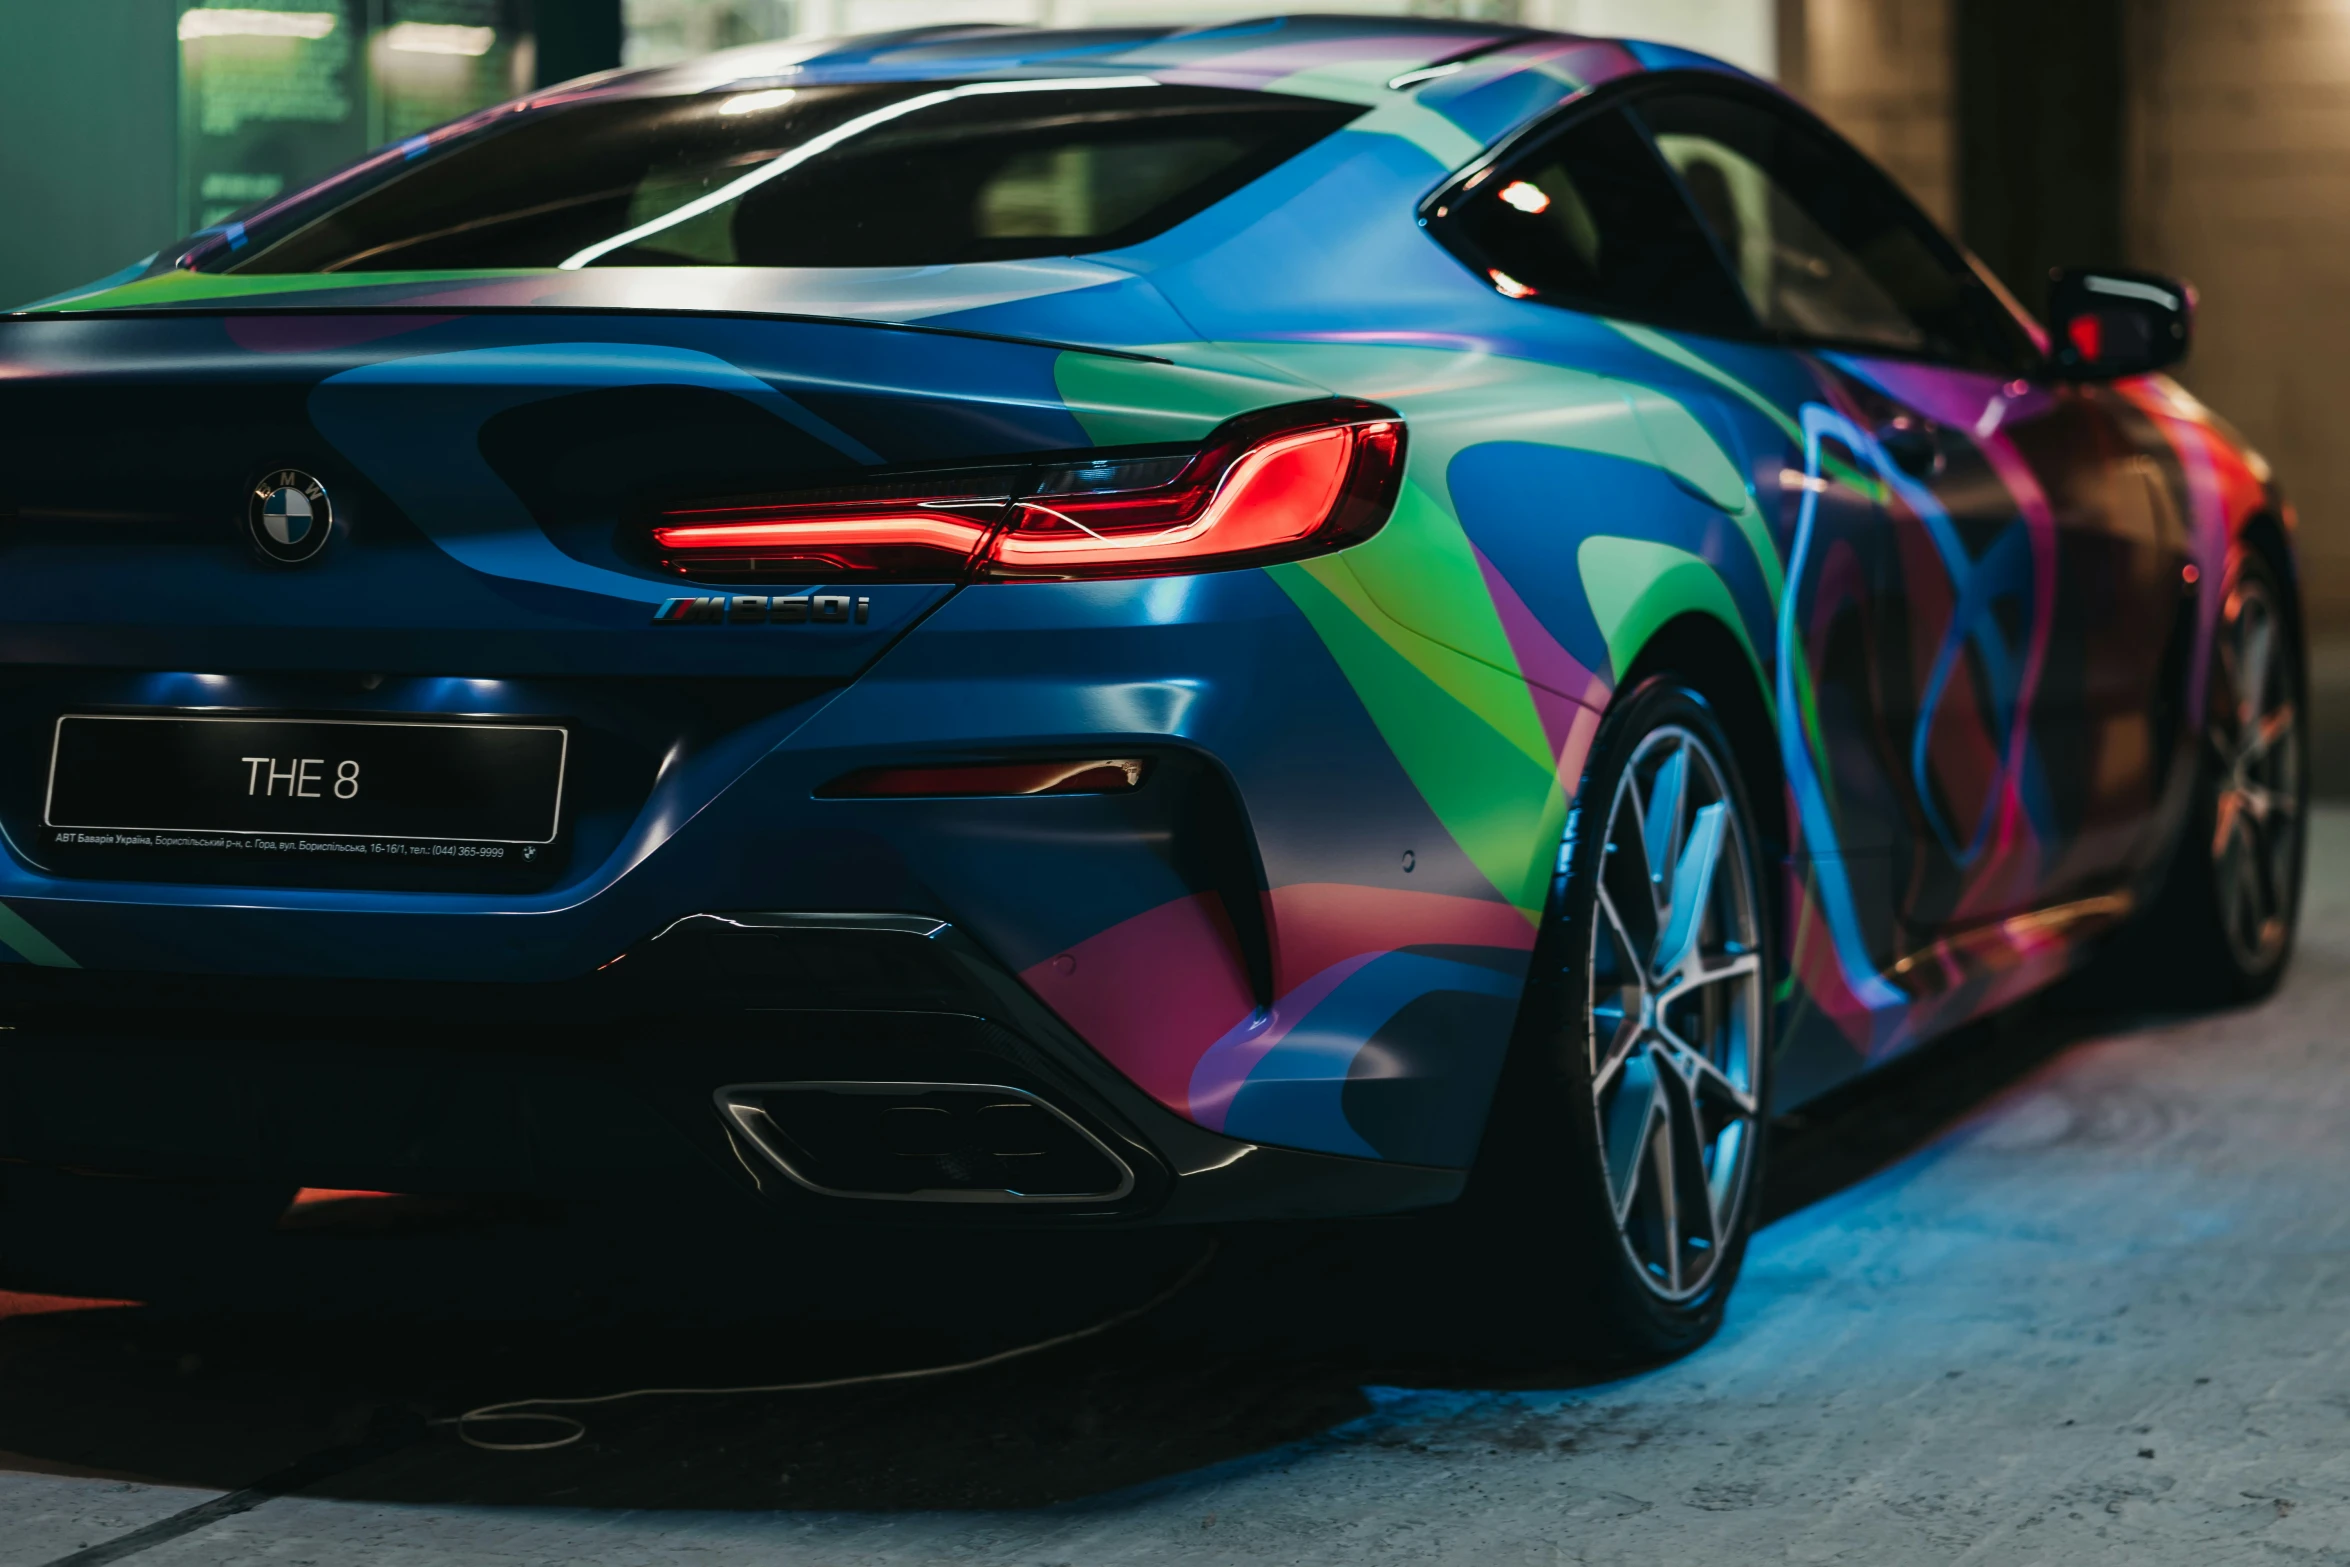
290, 517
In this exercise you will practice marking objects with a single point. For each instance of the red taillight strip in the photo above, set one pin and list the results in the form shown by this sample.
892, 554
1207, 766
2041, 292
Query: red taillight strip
1277, 493
825, 528
1272, 486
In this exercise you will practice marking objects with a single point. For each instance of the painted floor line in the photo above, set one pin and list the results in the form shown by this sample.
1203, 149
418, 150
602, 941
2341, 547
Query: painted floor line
294, 1477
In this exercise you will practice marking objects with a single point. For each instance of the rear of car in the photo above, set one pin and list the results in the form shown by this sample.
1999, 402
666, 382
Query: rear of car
689, 633
1104, 628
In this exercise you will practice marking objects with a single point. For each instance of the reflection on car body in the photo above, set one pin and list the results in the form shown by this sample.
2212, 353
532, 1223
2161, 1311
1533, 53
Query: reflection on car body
1143, 631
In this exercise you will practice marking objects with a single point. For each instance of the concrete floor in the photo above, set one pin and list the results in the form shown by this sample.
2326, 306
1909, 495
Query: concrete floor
2049, 1294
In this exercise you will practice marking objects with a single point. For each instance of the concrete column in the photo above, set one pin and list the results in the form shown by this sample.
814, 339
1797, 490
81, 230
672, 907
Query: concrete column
2238, 178
1881, 72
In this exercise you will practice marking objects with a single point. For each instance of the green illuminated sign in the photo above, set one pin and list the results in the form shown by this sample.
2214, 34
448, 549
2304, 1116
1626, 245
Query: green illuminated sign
276, 93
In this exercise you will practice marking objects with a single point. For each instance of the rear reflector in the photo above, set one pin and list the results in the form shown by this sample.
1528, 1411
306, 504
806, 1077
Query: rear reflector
1275, 485
316, 1194
988, 778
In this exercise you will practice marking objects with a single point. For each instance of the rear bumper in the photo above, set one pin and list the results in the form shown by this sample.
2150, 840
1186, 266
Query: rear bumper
601, 1088
1276, 942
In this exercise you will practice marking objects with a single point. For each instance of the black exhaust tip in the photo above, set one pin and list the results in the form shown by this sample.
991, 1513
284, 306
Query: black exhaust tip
925, 1142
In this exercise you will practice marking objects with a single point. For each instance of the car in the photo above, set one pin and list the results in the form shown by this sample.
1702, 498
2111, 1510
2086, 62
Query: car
987, 627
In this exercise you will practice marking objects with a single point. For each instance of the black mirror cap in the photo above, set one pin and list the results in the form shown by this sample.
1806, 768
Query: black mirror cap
2107, 322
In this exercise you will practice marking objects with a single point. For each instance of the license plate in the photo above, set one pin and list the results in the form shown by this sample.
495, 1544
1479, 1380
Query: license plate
311, 778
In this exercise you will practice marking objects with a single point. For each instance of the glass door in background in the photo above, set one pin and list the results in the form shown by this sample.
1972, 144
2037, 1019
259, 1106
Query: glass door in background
277, 93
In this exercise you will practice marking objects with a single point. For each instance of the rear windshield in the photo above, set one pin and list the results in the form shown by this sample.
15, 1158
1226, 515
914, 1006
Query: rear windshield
886, 174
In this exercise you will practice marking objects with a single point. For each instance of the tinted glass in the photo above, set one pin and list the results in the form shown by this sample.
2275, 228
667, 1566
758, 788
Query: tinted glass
895, 174
1588, 218
1823, 245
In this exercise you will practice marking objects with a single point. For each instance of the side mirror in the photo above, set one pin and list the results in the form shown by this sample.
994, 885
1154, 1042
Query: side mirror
2104, 322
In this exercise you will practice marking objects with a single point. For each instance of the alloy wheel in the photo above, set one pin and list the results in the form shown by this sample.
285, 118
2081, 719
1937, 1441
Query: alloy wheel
2255, 736
1676, 1012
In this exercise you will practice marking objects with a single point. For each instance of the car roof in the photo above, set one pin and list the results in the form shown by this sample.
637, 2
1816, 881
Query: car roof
1449, 88
1486, 78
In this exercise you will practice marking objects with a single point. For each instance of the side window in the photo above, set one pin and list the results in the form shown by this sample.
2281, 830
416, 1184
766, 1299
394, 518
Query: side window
1588, 218
1823, 245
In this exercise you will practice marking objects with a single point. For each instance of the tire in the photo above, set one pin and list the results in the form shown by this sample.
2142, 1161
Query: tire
1619, 1178
2220, 931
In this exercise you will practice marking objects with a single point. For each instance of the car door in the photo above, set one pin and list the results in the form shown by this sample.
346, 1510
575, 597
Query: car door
2014, 582
1584, 226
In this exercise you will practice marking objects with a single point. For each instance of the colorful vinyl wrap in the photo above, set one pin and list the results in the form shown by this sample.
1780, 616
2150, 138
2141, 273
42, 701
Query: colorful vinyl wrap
1313, 928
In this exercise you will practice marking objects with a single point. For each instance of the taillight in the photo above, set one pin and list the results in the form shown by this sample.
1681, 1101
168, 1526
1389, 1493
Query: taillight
1266, 487
824, 541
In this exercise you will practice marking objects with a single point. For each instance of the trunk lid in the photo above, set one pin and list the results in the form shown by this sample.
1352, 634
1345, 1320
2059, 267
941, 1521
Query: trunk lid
489, 472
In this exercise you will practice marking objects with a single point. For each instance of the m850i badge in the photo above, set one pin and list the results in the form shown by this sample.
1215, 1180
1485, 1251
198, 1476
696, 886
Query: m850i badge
754, 609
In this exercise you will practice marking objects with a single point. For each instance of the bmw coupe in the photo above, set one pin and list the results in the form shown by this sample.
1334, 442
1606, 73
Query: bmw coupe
1323, 616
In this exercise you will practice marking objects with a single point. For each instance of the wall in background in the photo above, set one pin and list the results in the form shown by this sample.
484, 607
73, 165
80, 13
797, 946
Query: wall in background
2238, 178
2040, 136
89, 104
1880, 72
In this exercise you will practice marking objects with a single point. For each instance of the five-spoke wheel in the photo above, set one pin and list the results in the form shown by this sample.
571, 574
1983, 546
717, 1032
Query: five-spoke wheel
1617, 1187
1677, 993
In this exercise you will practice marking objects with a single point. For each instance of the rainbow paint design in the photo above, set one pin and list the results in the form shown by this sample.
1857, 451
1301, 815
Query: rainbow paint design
1322, 947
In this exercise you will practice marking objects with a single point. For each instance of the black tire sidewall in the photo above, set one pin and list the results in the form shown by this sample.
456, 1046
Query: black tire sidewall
1540, 1178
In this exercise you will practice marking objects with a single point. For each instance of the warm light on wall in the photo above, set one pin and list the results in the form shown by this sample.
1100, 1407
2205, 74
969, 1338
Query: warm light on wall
225, 22
437, 38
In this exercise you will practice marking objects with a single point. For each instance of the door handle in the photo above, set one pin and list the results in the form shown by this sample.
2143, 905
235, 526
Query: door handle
1912, 445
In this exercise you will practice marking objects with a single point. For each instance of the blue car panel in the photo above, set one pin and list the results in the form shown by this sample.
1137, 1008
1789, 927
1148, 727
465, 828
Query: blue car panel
1301, 937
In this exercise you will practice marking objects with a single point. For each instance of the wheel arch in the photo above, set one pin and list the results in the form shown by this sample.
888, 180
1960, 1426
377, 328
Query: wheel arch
1544, 1102
2264, 531
1700, 650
